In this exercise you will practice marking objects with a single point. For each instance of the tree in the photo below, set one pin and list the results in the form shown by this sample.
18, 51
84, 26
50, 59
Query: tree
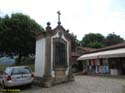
112, 39
93, 40
74, 41
18, 34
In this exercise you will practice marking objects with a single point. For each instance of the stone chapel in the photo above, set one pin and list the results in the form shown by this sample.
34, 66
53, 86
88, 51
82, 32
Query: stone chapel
53, 55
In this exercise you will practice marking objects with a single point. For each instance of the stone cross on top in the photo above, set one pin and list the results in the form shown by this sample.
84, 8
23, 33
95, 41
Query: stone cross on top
58, 12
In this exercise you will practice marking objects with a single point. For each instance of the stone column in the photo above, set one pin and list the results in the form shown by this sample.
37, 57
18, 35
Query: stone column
47, 76
70, 75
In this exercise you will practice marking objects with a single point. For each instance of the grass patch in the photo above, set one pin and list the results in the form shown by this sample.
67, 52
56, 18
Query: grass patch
2, 67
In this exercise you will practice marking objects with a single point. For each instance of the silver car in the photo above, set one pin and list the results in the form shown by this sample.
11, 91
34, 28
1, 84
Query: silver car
16, 76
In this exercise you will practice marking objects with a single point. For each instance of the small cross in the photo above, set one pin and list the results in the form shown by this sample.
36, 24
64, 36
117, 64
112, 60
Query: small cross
58, 12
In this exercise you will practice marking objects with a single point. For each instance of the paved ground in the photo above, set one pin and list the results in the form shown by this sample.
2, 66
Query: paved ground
84, 84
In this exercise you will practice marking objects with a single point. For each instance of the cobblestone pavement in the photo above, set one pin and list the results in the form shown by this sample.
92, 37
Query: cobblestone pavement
84, 84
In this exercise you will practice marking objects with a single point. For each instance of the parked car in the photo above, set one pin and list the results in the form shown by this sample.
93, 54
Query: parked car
16, 76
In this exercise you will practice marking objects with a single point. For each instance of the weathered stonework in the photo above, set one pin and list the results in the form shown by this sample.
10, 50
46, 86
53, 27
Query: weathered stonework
55, 72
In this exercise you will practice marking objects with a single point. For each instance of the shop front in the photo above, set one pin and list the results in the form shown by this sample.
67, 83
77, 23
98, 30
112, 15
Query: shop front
105, 61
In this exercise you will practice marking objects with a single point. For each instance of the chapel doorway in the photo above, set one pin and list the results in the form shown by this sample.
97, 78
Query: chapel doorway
60, 60
60, 54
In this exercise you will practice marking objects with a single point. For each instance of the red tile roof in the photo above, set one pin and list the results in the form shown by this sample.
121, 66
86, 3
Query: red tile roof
75, 54
87, 48
120, 45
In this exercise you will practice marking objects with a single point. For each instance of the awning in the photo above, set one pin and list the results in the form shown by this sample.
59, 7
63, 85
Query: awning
104, 54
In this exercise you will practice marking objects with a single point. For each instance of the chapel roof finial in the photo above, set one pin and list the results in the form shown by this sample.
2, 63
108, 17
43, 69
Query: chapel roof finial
59, 22
48, 28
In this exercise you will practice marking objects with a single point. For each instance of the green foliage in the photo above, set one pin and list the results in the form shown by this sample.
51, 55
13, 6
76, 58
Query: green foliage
74, 41
98, 40
93, 40
17, 34
112, 39
2, 67
26, 61
96, 45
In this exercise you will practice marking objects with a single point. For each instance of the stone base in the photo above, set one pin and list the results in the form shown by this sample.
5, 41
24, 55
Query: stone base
71, 77
47, 84
49, 81
38, 81
42, 82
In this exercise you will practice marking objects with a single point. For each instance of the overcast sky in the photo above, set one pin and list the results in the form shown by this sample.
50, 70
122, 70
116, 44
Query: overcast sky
79, 16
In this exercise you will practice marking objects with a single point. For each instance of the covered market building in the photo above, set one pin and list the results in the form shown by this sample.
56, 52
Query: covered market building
108, 60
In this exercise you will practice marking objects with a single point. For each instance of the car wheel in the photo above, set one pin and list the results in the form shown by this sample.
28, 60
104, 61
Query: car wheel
3, 86
30, 85
0, 86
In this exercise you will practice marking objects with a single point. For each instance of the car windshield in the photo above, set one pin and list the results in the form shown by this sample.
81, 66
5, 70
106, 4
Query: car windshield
21, 70
8, 70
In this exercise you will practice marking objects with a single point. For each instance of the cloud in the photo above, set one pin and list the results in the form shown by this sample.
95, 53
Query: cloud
80, 16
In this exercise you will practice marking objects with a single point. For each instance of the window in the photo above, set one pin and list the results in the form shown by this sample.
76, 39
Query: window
60, 54
8, 70
22, 70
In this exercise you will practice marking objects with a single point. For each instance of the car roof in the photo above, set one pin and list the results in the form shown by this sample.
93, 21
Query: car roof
17, 66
